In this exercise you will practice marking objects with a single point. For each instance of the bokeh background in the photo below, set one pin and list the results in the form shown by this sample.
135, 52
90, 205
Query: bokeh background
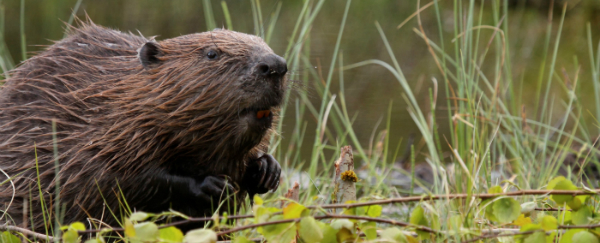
369, 90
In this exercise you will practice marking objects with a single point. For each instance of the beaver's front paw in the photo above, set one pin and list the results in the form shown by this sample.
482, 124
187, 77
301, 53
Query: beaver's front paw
262, 175
212, 190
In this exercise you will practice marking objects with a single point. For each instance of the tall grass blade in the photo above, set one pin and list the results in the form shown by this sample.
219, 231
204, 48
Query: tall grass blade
208, 15
227, 15
22, 29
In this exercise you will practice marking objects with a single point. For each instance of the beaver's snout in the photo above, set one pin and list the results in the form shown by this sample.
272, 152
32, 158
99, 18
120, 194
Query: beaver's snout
271, 66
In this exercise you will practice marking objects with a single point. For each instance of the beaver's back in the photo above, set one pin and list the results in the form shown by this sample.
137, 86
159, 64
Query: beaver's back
64, 83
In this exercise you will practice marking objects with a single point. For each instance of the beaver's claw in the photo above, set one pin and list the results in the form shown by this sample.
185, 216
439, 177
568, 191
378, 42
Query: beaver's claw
262, 175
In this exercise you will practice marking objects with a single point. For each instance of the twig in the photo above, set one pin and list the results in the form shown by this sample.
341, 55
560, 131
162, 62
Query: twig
490, 236
560, 227
591, 226
460, 196
189, 220
345, 177
206, 219
25, 232
380, 220
552, 209
330, 216
352, 205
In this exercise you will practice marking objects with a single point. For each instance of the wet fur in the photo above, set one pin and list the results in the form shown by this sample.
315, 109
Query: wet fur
120, 124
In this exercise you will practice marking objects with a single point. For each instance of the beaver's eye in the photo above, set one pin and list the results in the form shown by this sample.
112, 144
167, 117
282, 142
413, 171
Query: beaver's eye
212, 54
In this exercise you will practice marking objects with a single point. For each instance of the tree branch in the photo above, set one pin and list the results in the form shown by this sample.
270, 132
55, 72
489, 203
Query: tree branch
459, 196
26, 232
330, 216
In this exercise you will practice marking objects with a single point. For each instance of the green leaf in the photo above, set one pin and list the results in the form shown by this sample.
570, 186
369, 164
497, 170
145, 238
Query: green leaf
393, 234
563, 185
345, 235
549, 223
70, 236
139, 216
356, 211
242, 239
224, 218
495, 190
95, 241
567, 237
257, 200
374, 211
129, 229
293, 210
527, 207
537, 237
553, 182
329, 233
170, 234
455, 222
417, 217
566, 216
146, 231
584, 237
506, 210
7, 237
522, 220
527, 227
530, 227
489, 210
552, 237
581, 216
339, 224
309, 230
577, 202
278, 232
370, 230
262, 214
200, 236
77, 226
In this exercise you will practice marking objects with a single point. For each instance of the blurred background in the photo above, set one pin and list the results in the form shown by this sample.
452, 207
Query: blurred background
369, 90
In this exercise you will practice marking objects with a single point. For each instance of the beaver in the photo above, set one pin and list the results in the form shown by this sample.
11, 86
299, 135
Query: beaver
177, 124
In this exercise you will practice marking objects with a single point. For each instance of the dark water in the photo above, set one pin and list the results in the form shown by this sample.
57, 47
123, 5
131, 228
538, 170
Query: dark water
369, 90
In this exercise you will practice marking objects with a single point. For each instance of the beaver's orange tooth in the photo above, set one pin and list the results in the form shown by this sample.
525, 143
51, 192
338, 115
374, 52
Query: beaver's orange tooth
267, 113
259, 114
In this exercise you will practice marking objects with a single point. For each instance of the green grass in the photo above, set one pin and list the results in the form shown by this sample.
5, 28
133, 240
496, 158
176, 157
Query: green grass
474, 88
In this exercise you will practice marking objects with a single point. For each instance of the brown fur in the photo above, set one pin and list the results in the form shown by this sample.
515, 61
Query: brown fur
118, 123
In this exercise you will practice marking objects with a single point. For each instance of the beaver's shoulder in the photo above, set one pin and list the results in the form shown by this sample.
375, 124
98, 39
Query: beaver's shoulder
95, 40
64, 79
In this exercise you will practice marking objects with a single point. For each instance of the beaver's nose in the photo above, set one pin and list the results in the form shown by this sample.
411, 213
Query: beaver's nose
271, 66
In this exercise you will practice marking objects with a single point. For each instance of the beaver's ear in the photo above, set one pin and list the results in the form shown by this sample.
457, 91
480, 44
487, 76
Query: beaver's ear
148, 54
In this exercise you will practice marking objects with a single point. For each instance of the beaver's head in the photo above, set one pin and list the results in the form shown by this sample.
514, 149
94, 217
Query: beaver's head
222, 88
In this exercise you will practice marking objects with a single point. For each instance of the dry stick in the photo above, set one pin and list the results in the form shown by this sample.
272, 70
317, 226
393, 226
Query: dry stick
376, 202
292, 194
459, 196
401, 200
565, 227
327, 216
330, 216
490, 236
25, 232
345, 177
552, 209
190, 220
